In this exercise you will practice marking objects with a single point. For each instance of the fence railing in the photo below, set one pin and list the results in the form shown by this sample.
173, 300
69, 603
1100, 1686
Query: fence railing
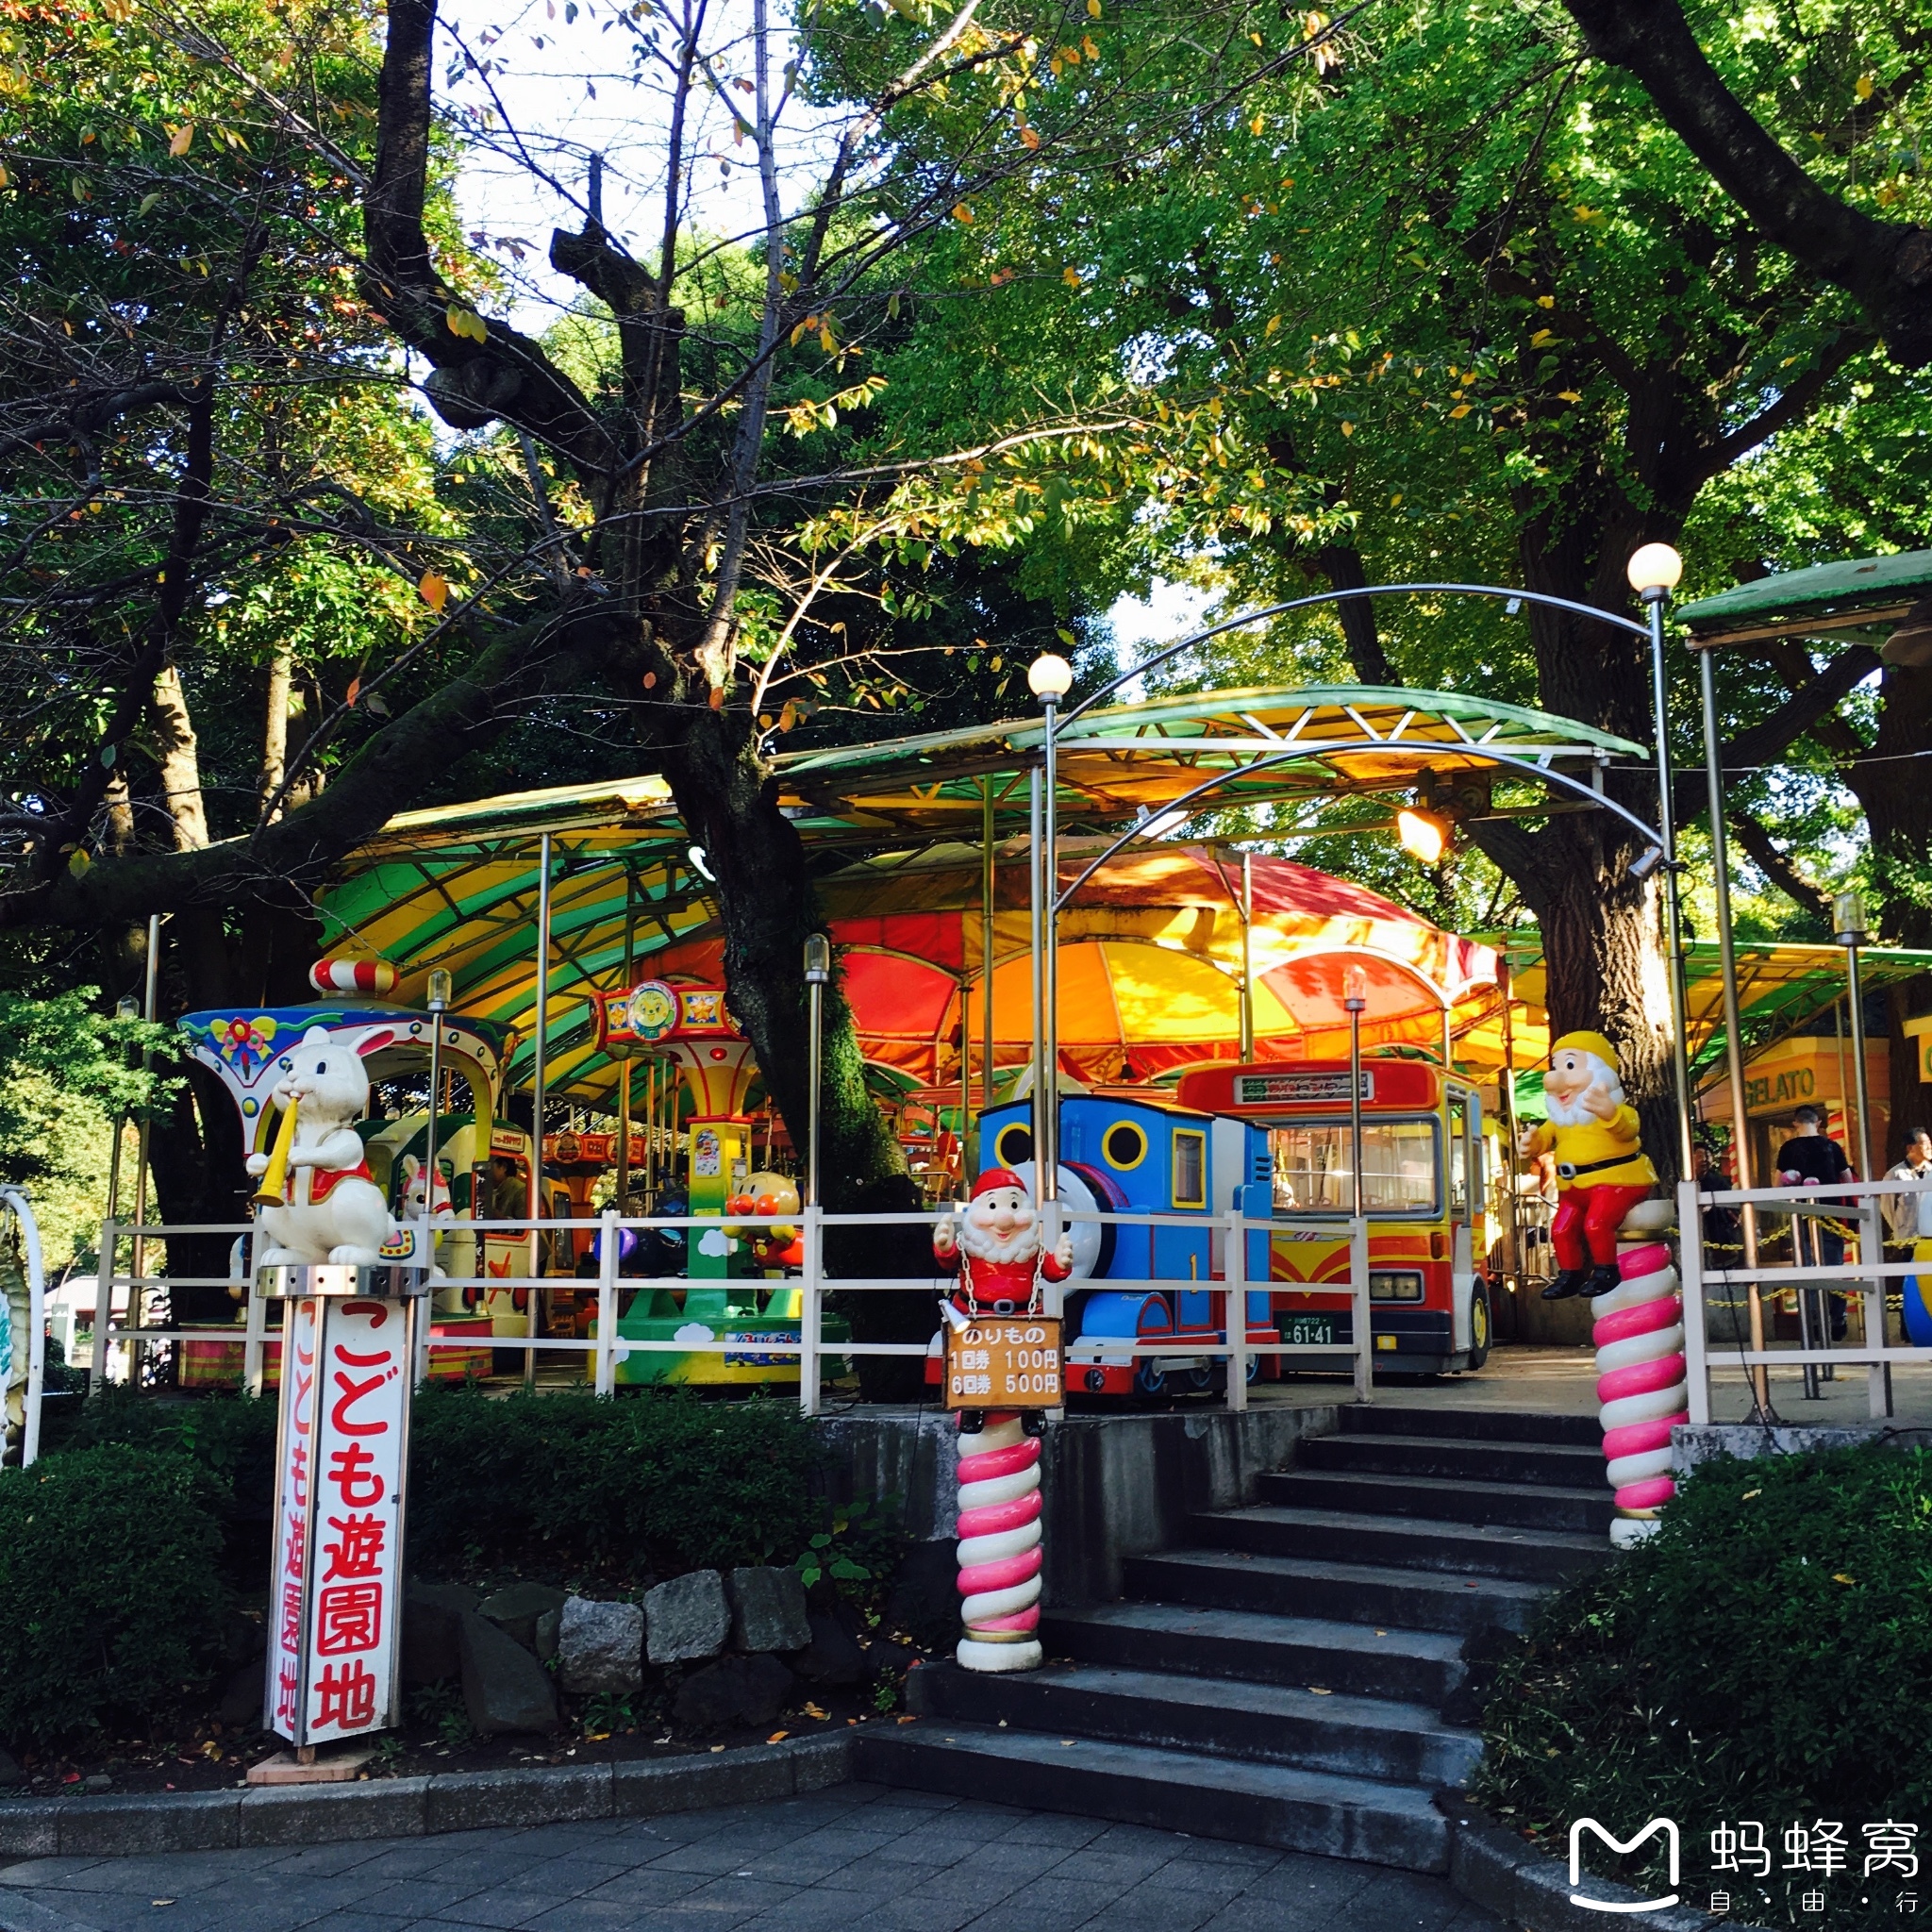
1235, 1236
15, 1207
1850, 1212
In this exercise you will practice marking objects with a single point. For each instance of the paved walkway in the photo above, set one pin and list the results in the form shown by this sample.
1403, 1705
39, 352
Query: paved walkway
857, 1858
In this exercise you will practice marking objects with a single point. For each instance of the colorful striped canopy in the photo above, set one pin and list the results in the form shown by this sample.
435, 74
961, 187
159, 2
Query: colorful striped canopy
457, 887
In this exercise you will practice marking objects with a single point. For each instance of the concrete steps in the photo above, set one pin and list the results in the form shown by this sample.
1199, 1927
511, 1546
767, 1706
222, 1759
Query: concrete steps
1310, 1725
1419, 1665
1299, 1675
1413, 1542
1176, 1791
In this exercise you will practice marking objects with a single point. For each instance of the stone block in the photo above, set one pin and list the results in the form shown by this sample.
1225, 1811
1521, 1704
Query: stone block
834, 1654
496, 1800
768, 1609
31, 1827
600, 1647
432, 1631
819, 1763
734, 1690
333, 1814
505, 1688
173, 1822
515, 1609
548, 1628
687, 1619
654, 1788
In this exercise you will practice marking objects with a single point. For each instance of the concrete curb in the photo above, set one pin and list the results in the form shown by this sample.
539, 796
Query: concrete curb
1492, 1866
414, 1807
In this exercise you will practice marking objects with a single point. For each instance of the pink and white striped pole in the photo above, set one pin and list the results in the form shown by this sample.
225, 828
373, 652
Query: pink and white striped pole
1642, 1383
1000, 1553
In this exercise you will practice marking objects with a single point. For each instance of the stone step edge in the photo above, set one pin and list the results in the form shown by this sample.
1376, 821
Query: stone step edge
1492, 1866
146, 1823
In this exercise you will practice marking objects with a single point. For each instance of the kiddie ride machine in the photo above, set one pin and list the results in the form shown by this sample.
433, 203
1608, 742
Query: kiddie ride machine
252, 1052
1273, 1138
730, 1268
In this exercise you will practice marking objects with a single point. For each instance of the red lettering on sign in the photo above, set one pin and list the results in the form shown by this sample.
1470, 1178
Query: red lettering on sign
360, 1548
348, 1696
349, 1619
350, 1471
353, 1392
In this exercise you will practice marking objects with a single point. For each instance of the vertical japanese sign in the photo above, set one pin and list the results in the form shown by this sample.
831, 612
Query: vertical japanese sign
337, 1603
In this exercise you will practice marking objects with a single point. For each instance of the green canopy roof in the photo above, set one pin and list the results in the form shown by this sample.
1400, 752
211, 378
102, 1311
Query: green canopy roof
1851, 594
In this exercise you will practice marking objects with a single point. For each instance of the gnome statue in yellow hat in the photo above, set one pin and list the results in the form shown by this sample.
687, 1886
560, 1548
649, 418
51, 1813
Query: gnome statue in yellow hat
1601, 1170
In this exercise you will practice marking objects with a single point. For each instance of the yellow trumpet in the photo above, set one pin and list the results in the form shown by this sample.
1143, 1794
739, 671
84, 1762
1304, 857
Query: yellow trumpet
274, 1176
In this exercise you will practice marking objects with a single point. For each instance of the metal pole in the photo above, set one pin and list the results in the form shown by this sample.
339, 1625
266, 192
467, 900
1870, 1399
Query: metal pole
1354, 1103
1673, 931
1038, 941
818, 971
1247, 956
1047, 1149
137, 1298
438, 1000
1733, 1044
536, 1071
1848, 921
986, 919
630, 931
1512, 1225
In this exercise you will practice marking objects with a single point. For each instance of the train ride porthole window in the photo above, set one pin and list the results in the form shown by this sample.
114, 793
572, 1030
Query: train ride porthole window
1399, 1168
1014, 1144
1124, 1145
1189, 1168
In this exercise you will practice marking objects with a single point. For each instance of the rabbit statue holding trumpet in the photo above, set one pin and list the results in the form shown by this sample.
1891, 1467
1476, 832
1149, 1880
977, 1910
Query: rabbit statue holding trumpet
319, 1201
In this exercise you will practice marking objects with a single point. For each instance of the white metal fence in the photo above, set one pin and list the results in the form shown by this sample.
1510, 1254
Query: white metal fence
15, 1207
1851, 1209
119, 1347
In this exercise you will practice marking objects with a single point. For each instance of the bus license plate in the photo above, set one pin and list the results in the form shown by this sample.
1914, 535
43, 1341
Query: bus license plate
1308, 1331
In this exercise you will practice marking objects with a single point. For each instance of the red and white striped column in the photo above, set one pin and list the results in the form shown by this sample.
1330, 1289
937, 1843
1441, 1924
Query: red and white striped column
1000, 1553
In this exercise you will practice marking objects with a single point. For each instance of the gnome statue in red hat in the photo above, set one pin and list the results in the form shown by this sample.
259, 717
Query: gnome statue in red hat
996, 1246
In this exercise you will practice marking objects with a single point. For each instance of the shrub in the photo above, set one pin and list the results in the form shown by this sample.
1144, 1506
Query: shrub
111, 1601
1767, 1655
656, 1483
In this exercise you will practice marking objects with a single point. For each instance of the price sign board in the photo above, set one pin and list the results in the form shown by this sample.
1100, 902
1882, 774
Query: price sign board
1011, 1362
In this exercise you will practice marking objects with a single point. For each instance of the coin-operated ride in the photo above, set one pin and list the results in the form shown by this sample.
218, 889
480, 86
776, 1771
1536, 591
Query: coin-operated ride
1276, 1140
734, 1272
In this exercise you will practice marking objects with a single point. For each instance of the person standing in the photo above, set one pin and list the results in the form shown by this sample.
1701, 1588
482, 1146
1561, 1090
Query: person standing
1811, 1159
1906, 1215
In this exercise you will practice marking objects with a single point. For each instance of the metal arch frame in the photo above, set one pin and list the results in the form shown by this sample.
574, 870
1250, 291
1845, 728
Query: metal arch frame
1350, 596
1048, 902
1166, 812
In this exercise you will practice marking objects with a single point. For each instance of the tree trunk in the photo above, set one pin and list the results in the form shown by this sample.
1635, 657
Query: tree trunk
275, 736
179, 756
767, 909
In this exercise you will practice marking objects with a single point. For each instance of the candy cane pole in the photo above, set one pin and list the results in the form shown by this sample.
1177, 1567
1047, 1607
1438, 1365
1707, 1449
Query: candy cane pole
1641, 1383
999, 1545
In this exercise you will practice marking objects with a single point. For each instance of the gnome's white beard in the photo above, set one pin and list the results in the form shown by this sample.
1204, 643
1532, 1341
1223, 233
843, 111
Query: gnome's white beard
1575, 1113
981, 1243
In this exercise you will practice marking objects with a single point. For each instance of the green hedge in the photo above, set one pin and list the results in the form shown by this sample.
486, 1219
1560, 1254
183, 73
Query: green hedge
1767, 1655
568, 1484
559, 1484
111, 1600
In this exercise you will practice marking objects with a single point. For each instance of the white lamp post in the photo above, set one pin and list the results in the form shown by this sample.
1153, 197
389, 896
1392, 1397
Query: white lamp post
818, 974
1654, 572
441, 988
1049, 677
1354, 989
